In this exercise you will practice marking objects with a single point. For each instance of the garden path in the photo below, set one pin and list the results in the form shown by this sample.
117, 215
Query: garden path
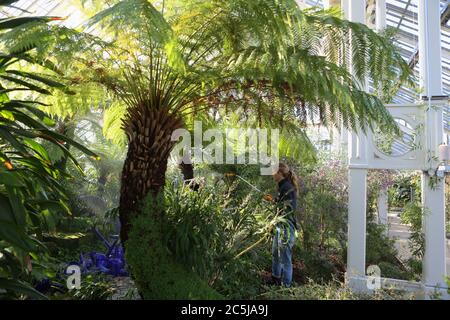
125, 289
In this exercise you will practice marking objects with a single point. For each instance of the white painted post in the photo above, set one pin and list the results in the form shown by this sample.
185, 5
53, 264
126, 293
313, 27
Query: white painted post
380, 15
356, 251
434, 268
382, 207
357, 10
434, 264
345, 4
430, 47
382, 201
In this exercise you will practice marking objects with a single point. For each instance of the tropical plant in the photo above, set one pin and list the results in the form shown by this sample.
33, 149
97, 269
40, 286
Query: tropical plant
183, 58
30, 192
98, 189
412, 215
405, 189
322, 246
159, 275
324, 211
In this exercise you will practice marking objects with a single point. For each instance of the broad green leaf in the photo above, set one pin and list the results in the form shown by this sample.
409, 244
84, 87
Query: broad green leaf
54, 206
28, 105
27, 84
7, 136
10, 178
72, 142
38, 148
44, 80
15, 22
16, 202
6, 212
7, 114
20, 287
13, 235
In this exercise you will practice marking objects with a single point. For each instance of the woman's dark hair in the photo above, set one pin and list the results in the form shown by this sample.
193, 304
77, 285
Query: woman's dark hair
287, 173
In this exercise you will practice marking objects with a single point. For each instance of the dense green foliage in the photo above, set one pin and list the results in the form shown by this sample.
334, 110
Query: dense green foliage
228, 63
206, 230
406, 189
413, 215
157, 274
30, 189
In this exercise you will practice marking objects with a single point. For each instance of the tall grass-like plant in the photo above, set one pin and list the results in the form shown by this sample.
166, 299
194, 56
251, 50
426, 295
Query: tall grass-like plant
224, 242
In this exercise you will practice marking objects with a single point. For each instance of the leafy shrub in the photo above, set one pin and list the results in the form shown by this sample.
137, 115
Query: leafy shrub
379, 246
322, 216
406, 188
412, 215
380, 251
156, 272
318, 266
221, 239
93, 287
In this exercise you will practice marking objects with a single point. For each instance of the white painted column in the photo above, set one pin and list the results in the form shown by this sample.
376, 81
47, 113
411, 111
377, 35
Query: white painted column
356, 251
434, 268
357, 10
340, 137
434, 264
430, 47
345, 4
357, 141
382, 201
380, 15
382, 207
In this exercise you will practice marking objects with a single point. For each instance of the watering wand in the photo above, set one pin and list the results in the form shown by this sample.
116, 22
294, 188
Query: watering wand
266, 197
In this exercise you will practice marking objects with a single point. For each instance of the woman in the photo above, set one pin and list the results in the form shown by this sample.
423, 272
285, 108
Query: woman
284, 237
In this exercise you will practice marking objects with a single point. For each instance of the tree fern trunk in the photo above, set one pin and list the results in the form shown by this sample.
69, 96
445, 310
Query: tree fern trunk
66, 128
156, 273
149, 133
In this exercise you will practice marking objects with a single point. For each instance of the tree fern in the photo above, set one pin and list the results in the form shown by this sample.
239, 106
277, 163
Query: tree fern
191, 37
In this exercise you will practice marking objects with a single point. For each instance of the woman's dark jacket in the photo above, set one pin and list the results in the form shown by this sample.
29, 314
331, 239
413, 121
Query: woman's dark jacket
287, 198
